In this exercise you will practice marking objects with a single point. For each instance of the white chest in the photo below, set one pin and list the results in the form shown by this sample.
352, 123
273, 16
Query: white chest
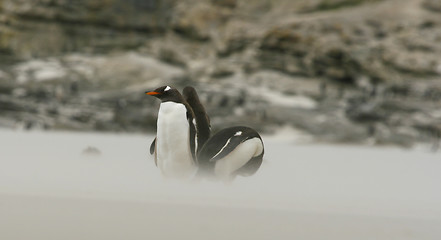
173, 152
238, 158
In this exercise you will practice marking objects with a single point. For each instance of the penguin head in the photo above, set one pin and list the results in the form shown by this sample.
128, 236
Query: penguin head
166, 93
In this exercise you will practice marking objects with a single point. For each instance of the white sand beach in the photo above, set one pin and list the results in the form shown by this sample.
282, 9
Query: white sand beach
50, 190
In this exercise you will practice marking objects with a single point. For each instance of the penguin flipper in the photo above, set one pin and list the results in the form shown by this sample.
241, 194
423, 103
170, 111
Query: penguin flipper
202, 120
152, 147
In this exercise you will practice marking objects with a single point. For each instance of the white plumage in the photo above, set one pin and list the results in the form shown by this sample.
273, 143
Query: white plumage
237, 158
173, 152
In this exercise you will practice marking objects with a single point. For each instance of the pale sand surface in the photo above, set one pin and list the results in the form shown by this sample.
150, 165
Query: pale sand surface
48, 190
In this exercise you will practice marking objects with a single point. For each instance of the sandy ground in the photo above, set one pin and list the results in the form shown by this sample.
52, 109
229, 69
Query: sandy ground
49, 190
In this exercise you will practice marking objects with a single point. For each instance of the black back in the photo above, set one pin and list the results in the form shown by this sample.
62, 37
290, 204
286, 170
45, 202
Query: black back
221, 144
201, 117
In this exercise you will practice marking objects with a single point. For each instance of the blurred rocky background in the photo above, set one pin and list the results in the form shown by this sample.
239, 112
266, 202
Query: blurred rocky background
347, 71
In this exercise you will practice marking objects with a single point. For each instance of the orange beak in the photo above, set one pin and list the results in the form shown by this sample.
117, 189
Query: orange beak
152, 93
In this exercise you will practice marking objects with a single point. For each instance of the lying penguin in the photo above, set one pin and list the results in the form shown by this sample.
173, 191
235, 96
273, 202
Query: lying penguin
230, 152
175, 144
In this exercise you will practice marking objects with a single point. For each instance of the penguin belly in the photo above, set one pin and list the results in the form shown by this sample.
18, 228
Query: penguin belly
173, 154
237, 158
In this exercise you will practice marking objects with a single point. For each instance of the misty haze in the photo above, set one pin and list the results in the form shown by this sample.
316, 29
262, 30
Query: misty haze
341, 100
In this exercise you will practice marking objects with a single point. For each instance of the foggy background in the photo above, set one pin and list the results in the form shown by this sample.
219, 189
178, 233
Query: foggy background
346, 71
321, 80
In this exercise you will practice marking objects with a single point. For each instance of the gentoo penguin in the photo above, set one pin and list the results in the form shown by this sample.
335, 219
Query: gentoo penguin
230, 152
175, 144
201, 118
202, 121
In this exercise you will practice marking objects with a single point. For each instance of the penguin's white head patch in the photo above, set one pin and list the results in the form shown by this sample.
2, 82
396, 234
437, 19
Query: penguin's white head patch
167, 88
238, 133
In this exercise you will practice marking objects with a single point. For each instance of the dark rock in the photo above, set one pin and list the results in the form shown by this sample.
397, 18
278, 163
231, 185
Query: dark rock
337, 64
366, 113
225, 3
432, 5
7, 105
360, 74
427, 24
171, 57
234, 45
327, 5
44, 28
222, 72
287, 41
82, 117
196, 20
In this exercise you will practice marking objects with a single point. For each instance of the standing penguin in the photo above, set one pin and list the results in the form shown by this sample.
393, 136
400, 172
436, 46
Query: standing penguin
230, 152
202, 121
175, 145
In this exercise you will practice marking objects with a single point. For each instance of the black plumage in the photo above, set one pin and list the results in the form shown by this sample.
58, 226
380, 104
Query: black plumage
221, 145
201, 116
